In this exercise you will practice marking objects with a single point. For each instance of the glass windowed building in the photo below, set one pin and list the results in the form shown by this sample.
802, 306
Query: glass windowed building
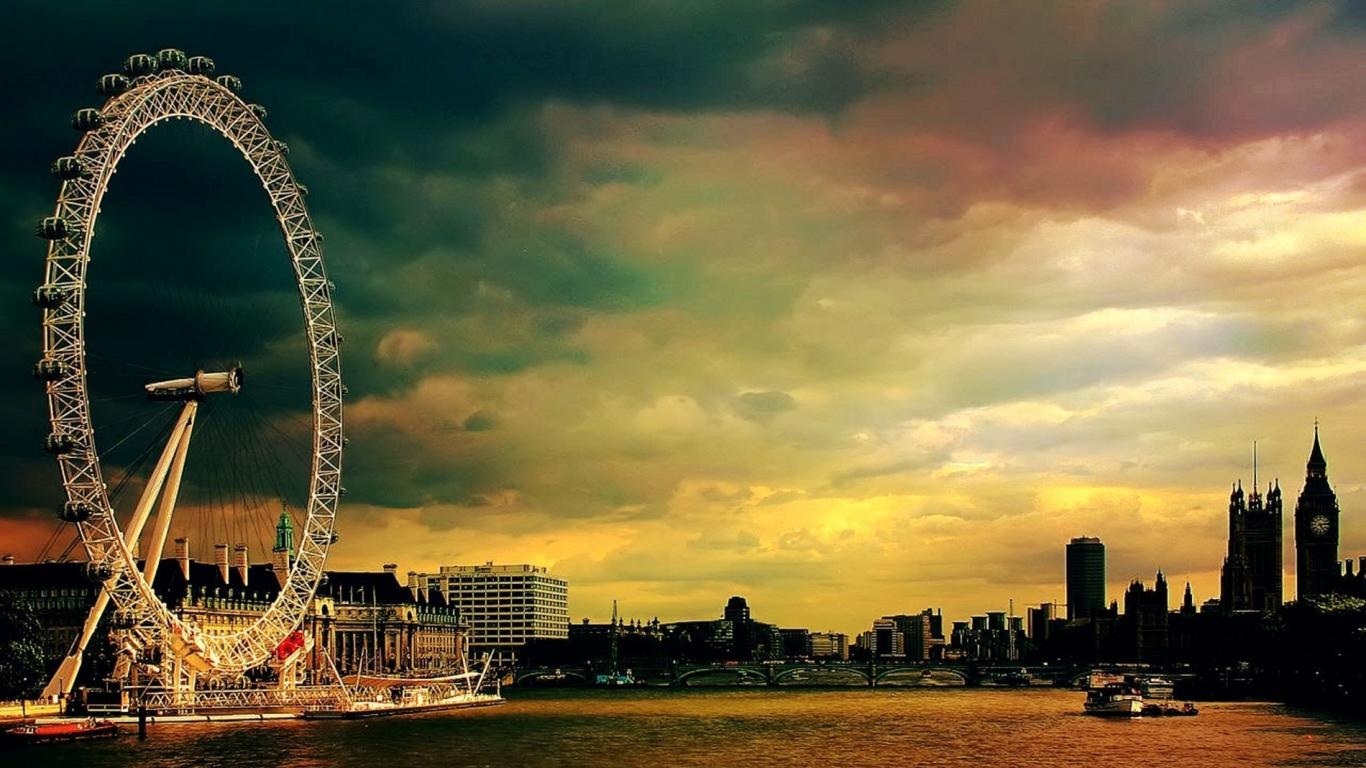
505, 605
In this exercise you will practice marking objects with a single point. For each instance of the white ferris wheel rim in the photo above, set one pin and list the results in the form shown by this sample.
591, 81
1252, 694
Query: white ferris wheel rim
151, 99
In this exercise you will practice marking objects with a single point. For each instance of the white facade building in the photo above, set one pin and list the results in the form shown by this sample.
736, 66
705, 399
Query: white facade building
505, 605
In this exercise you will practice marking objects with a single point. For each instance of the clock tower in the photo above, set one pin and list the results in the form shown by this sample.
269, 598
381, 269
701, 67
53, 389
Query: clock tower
1316, 528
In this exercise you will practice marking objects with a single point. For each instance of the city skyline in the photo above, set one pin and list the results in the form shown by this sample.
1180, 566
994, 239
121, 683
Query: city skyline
850, 310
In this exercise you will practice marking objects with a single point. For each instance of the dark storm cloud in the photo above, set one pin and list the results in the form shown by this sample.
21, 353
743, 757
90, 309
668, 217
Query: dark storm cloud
795, 274
760, 406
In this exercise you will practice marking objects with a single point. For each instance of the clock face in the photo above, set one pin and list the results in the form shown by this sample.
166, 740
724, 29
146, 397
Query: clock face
1318, 525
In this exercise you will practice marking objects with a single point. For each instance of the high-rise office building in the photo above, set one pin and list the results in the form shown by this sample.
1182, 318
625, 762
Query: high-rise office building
506, 605
829, 645
737, 609
1039, 619
1085, 577
1316, 528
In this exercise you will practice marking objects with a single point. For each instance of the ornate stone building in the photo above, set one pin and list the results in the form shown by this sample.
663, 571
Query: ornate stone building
368, 621
1316, 528
1251, 578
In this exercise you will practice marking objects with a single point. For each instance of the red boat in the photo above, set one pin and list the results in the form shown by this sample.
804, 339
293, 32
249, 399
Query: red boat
76, 730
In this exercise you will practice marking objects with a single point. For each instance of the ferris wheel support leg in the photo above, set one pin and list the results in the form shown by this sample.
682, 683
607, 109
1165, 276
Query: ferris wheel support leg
64, 678
168, 499
158, 476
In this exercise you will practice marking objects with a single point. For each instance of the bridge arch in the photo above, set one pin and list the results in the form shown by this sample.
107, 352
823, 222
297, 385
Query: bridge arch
736, 673
917, 676
533, 676
856, 675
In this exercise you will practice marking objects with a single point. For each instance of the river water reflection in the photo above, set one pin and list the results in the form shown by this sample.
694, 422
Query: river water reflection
751, 727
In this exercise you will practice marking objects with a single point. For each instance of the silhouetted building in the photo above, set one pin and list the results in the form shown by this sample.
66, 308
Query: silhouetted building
1316, 528
1351, 582
734, 637
1085, 577
1039, 622
916, 634
1250, 579
937, 639
994, 637
796, 643
61, 594
1145, 621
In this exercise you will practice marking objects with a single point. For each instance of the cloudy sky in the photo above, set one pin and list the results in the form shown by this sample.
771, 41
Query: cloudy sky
850, 308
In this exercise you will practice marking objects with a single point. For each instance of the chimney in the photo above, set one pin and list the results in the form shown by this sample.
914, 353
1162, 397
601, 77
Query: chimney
1362, 569
412, 584
7, 560
391, 568
182, 556
239, 560
220, 559
1348, 564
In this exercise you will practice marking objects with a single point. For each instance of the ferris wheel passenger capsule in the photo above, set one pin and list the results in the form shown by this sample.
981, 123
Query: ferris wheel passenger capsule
68, 168
112, 85
49, 297
54, 228
48, 369
76, 511
99, 572
283, 147
87, 119
140, 64
200, 65
231, 82
58, 443
258, 110
170, 58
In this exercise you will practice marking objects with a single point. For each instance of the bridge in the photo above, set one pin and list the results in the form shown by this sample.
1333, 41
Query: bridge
818, 673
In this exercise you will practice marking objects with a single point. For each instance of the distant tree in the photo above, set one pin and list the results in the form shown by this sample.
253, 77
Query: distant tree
1318, 649
21, 650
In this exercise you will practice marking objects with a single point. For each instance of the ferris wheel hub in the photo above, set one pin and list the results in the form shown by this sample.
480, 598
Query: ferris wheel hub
197, 386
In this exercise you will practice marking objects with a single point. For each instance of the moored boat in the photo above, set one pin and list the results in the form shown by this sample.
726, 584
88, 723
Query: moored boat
366, 696
72, 730
361, 708
1168, 709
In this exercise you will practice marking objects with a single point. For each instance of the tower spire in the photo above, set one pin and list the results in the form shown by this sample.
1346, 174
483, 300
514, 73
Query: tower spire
1254, 466
1317, 465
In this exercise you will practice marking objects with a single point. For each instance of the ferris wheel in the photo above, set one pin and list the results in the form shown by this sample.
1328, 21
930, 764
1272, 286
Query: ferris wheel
153, 89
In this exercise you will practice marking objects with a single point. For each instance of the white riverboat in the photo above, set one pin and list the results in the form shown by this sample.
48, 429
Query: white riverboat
1114, 700
367, 696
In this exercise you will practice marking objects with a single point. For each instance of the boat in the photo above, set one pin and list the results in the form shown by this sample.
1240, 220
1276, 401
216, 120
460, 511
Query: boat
66, 730
405, 701
1168, 709
1152, 686
1114, 700
365, 696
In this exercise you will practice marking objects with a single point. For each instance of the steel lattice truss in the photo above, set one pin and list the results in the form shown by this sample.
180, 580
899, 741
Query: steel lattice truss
150, 99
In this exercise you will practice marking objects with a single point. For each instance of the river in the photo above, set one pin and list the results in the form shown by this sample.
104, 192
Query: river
750, 727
